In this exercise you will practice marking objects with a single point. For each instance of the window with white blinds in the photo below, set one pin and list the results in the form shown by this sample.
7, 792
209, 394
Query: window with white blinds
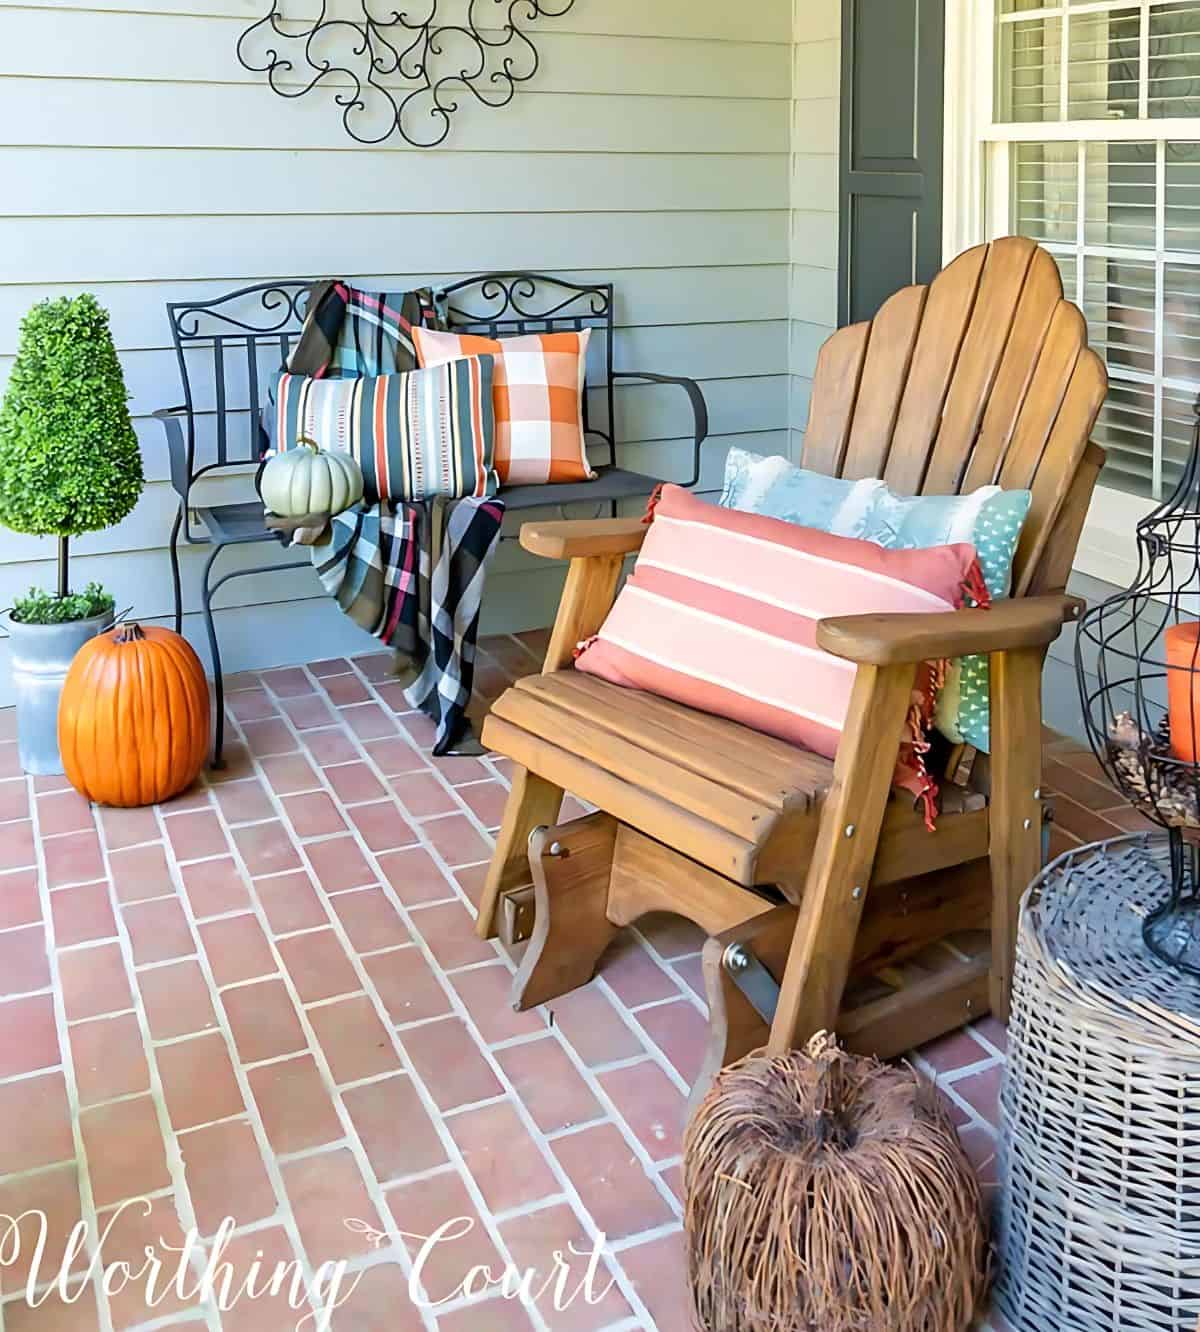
1094, 150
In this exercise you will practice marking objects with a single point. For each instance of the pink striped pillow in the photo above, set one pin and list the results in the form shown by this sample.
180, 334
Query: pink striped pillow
721, 609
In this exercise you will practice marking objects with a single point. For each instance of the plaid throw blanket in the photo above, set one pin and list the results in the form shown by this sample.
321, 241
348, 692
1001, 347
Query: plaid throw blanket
411, 574
350, 333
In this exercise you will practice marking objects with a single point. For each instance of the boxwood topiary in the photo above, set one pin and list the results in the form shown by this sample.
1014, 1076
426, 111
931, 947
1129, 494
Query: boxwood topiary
69, 459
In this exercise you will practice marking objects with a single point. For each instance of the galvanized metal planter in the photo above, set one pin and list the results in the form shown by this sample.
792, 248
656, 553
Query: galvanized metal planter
41, 656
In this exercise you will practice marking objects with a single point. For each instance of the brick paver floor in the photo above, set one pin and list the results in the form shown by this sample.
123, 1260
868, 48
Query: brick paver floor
265, 1001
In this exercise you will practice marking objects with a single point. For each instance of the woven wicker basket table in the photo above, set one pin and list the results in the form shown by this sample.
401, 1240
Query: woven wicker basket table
1099, 1223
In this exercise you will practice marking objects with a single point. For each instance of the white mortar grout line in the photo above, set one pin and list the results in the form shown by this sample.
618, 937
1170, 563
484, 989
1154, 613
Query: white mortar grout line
30, 925
616, 1065
978, 1034
684, 990
948, 1089
553, 1136
371, 1182
654, 1171
614, 1116
459, 1009
28, 994
284, 1212
175, 1165
414, 825
452, 882
87, 1201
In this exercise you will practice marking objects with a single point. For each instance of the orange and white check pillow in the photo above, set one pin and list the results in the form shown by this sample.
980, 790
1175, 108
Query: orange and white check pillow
538, 395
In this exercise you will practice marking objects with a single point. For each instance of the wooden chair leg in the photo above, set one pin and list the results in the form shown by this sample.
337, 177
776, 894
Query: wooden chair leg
588, 593
532, 803
572, 869
900, 920
1016, 806
835, 889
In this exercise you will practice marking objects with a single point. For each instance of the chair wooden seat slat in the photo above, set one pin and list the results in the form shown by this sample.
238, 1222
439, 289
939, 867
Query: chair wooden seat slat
758, 766
810, 873
671, 763
638, 764
693, 835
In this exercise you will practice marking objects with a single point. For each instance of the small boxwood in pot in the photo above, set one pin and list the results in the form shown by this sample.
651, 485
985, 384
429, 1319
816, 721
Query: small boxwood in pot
69, 458
69, 463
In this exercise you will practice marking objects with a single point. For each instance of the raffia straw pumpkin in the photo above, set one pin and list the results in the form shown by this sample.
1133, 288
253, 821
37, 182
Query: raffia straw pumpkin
133, 719
829, 1193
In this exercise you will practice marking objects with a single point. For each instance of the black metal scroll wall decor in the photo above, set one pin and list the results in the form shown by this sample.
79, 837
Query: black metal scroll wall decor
404, 71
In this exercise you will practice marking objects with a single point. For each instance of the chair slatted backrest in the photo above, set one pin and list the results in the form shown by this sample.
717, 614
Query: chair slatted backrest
983, 377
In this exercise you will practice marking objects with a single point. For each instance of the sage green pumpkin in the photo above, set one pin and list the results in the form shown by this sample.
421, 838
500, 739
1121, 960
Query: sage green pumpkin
307, 479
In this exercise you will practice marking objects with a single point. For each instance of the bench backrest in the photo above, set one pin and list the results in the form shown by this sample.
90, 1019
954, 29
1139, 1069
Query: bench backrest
984, 376
230, 348
504, 305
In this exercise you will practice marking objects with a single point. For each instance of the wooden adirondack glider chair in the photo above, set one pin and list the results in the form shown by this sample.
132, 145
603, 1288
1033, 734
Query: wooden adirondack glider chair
808, 874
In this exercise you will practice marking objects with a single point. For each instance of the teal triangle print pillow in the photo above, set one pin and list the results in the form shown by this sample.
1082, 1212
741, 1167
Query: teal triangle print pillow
990, 519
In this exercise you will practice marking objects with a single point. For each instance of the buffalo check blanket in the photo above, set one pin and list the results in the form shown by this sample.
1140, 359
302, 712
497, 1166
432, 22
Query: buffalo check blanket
411, 574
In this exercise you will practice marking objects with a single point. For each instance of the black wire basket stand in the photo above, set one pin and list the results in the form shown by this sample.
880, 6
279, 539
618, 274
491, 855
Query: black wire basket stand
1137, 658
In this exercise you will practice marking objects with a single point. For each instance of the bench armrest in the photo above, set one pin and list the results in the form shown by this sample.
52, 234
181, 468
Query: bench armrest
177, 447
892, 640
699, 409
575, 539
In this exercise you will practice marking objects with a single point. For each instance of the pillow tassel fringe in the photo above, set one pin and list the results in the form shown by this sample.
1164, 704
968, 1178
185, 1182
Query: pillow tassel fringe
652, 504
975, 588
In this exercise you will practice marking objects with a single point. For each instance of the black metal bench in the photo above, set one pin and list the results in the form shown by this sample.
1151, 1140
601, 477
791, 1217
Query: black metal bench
230, 348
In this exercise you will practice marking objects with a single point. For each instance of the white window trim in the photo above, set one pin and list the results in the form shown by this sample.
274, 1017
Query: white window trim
976, 153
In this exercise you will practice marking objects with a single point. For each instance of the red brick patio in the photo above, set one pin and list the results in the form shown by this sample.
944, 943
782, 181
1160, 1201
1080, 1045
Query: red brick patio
266, 1000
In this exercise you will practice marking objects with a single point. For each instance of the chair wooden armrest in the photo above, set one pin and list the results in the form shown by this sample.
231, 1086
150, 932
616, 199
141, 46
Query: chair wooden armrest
892, 640
596, 549
583, 538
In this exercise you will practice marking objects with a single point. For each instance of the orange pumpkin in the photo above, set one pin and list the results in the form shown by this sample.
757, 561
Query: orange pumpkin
133, 719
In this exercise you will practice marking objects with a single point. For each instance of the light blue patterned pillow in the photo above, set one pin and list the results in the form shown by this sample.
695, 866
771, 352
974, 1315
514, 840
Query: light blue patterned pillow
777, 488
990, 519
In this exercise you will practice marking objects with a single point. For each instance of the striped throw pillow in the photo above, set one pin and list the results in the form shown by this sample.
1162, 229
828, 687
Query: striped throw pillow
539, 386
989, 519
721, 610
415, 434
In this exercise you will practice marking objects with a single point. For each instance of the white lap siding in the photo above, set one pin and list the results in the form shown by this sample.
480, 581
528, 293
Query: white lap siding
659, 146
